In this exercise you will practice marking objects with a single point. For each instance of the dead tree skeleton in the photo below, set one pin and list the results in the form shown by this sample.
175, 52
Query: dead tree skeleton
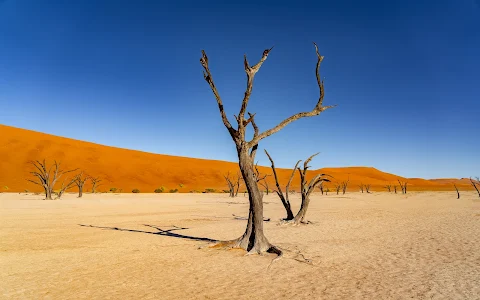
338, 187
47, 178
95, 183
344, 186
253, 239
458, 193
388, 187
233, 186
475, 184
79, 181
403, 186
367, 188
261, 180
305, 188
361, 187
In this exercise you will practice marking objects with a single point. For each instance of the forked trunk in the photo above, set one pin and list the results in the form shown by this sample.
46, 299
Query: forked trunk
300, 217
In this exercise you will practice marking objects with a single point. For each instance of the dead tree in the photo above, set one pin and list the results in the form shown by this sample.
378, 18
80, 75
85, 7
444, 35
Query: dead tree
261, 180
237, 184
338, 187
475, 184
283, 198
344, 186
327, 190
253, 239
79, 181
403, 186
388, 187
320, 186
305, 188
95, 183
47, 178
361, 187
367, 188
458, 193
231, 187
66, 184
395, 187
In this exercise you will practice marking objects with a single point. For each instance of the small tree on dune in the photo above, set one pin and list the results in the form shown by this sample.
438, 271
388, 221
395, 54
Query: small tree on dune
254, 239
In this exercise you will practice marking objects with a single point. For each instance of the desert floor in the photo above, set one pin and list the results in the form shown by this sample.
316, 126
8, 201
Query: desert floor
423, 245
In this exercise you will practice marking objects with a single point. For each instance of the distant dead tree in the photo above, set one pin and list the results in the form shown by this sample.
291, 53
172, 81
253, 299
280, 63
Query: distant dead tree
344, 186
403, 186
261, 180
338, 187
327, 190
395, 187
233, 186
320, 186
458, 193
367, 188
388, 187
95, 183
47, 177
475, 184
361, 187
253, 239
79, 181
306, 188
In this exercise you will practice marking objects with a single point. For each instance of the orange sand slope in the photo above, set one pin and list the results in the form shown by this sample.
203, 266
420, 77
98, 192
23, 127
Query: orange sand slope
128, 169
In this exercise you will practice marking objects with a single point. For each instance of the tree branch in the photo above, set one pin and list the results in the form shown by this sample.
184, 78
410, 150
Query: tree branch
251, 71
319, 108
208, 77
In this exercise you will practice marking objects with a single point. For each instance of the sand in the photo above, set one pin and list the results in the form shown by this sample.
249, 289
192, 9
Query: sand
126, 169
423, 245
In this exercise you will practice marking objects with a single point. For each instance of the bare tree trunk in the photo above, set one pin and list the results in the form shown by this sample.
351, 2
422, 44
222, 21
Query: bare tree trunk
475, 185
48, 193
253, 240
361, 187
395, 187
458, 193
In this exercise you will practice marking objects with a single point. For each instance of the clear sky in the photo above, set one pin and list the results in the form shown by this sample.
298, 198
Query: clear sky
404, 74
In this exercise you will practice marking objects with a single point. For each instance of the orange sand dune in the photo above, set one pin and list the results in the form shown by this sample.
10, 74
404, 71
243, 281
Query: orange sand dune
128, 169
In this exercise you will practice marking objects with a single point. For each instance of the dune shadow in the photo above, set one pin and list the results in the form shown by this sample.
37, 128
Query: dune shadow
160, 231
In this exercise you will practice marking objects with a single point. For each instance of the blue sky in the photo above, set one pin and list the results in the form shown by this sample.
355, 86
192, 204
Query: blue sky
404, 74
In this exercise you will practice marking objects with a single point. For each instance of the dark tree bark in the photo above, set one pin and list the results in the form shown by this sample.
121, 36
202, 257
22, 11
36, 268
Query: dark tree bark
284, 199
80, 180
395, 187
95, 183
253, 239
474, 184
458, 193
47, 178
389, 188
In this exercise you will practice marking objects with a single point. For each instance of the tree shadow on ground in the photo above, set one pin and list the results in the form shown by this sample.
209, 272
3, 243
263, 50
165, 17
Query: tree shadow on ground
160, 231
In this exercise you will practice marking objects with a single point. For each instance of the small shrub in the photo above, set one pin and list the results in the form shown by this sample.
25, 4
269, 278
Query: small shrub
160, 190
174, 191
226, 191
136, 191
181, 185
113, 190
194, 191
5, 188
210, 190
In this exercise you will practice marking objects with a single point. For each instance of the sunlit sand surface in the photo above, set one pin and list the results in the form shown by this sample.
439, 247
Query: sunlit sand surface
423, 245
